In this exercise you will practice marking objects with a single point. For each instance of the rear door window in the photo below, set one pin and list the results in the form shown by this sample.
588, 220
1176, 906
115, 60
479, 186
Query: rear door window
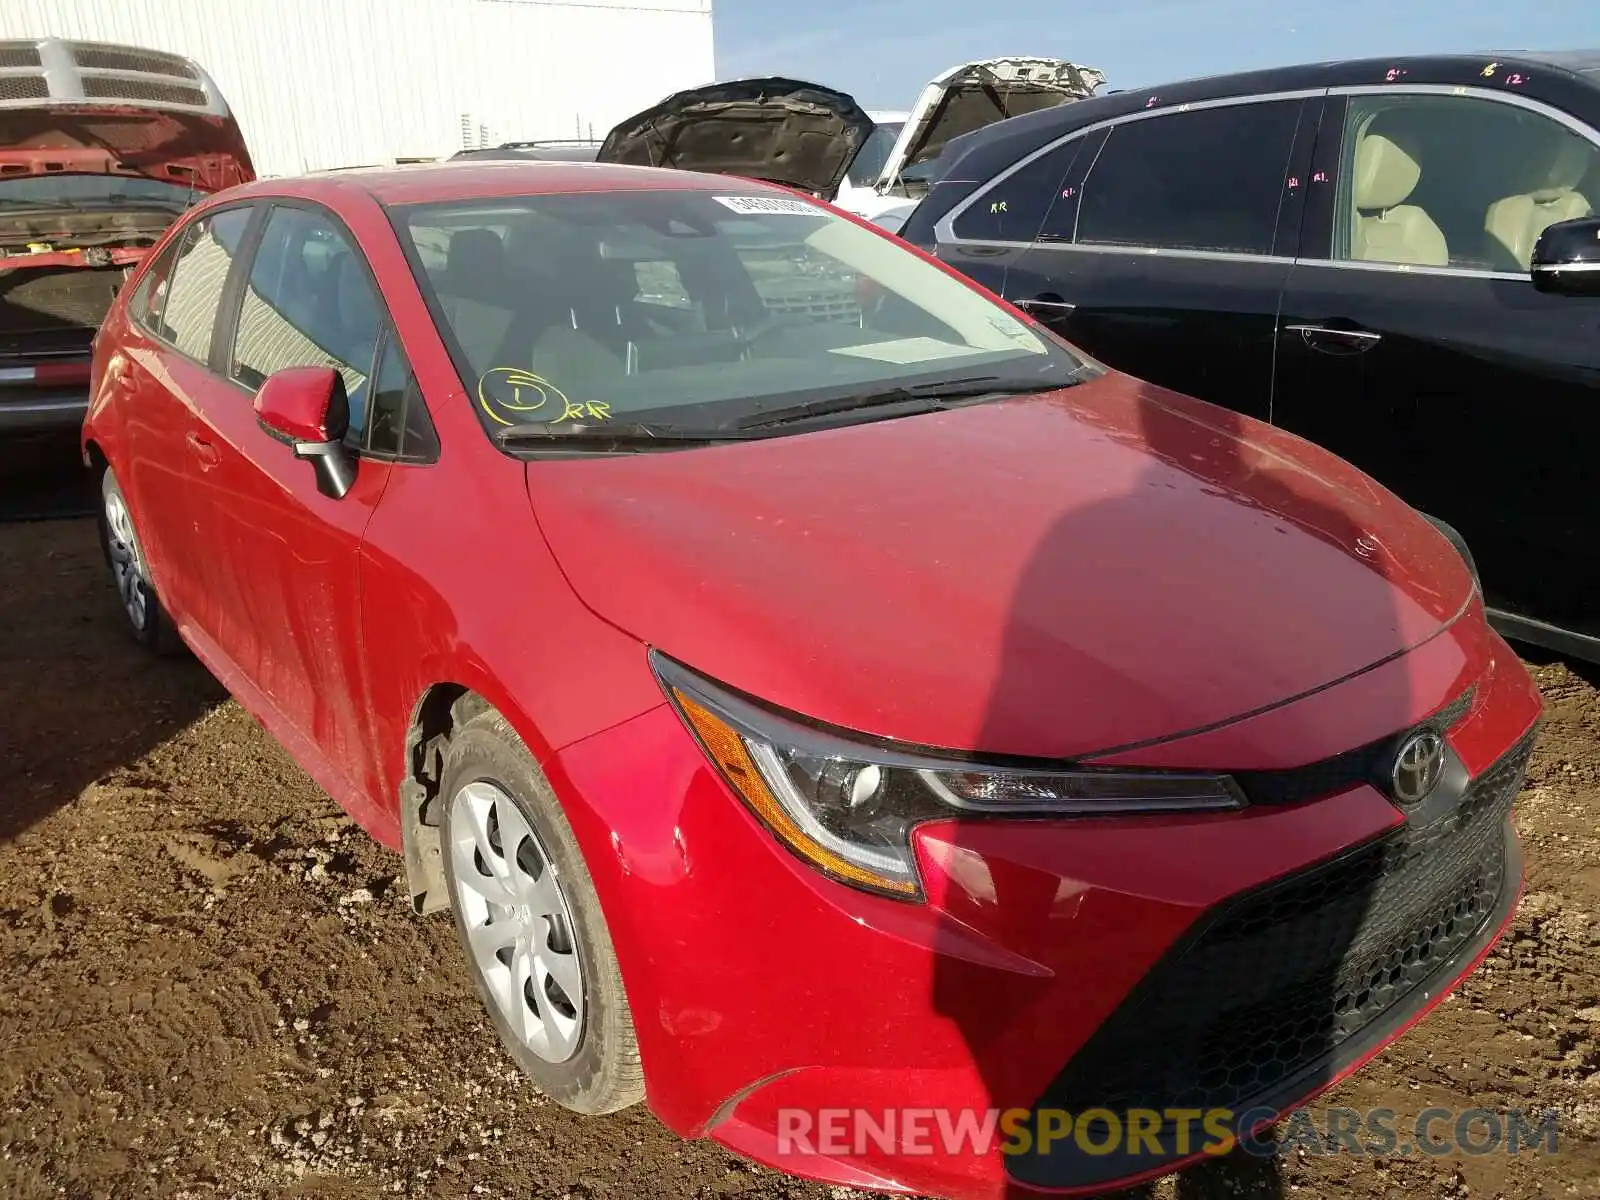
1013, 208
193, 292
1211, 179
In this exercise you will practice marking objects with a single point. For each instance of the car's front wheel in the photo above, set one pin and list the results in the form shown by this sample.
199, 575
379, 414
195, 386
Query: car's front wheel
537, 945
147, 619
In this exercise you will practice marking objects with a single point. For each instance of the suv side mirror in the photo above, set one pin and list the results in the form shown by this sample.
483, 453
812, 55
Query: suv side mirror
1566, 258
306, 408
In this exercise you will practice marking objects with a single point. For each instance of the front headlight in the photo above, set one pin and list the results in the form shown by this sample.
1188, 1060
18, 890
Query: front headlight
847, 806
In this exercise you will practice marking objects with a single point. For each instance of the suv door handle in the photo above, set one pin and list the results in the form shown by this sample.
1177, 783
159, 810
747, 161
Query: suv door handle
204, 451
1332, 340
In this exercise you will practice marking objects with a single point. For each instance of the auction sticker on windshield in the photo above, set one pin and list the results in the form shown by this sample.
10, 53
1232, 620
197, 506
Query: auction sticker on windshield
768, 206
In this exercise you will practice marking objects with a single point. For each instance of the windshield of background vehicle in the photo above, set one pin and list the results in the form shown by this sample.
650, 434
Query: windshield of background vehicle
868, 164
690, 309
94, 191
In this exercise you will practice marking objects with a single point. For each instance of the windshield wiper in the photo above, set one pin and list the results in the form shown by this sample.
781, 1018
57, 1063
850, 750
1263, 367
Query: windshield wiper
918, 398
622, 435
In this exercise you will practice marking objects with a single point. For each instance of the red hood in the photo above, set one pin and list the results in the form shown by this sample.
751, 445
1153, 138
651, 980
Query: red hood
1047, 576
170, 146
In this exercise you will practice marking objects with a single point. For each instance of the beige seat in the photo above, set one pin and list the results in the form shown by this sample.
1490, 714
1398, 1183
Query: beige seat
1515, 223
1387, 229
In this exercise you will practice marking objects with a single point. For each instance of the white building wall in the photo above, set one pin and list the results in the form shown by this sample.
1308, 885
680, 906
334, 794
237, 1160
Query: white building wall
334, 83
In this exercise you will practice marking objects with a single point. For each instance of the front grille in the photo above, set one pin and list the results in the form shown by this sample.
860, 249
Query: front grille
821, 308
95, 57
1270, 985
23, 87
14, 55
121, 87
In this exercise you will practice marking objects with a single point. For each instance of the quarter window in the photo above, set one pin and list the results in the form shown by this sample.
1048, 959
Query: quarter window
399, 426
309, 303
148, 298
1212, 179
1456, 181
188, 313
1014, 208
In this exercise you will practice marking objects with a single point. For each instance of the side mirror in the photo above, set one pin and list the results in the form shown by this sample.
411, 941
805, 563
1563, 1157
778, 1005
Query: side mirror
1566, 258
306, 409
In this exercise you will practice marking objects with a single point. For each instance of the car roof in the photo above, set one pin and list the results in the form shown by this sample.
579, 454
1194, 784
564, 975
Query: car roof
1581, 62
1348, 71
1580, 66
468, 179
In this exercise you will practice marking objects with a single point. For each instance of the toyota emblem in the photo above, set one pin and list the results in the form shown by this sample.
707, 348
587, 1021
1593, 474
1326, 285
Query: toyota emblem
1417, 767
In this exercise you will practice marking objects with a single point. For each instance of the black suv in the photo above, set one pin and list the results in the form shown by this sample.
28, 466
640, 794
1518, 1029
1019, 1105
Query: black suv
1396, 259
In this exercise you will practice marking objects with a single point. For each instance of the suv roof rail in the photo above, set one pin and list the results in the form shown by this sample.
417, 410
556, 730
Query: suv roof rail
540, 142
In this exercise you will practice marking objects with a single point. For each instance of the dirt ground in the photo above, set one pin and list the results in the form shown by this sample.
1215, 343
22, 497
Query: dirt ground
211, 983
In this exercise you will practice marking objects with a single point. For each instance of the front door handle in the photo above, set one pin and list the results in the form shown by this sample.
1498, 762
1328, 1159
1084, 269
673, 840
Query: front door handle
1330, 339
204, 451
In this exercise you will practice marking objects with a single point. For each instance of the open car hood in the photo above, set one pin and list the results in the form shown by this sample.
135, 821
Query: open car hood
785, 131
980, 93
206, 150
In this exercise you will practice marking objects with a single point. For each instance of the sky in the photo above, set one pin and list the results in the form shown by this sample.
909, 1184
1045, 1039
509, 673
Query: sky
883, 51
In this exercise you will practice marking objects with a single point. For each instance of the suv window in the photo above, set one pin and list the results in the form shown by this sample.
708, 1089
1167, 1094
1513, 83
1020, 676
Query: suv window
1013, 209
188, 312
309, 303
1211, 179
1456, 181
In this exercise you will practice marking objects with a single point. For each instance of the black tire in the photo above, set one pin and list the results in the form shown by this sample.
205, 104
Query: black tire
603, 1074
145, 617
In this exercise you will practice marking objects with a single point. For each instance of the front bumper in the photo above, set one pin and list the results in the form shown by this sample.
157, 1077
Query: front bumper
1149, 962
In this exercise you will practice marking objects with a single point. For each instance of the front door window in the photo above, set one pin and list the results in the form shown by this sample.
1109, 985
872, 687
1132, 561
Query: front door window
1457, 181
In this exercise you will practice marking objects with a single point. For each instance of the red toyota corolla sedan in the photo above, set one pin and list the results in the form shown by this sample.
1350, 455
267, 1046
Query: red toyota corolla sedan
832, 708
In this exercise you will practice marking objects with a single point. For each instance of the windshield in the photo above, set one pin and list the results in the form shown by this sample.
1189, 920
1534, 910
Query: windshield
93, 191
868, 164
693, 310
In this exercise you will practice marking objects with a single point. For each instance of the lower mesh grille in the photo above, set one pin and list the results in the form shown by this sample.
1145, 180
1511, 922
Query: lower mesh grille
1271, 984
